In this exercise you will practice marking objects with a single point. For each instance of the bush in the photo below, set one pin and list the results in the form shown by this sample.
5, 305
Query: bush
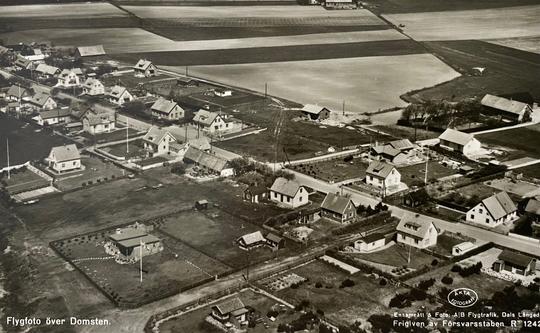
383, 282
318, 285
426, 284
456, 269
435, 262
399, 301
272, 313
347, 283
447, 279
474, 269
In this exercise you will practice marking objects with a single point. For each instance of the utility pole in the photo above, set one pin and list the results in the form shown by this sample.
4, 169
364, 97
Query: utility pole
343, 107
265, 89
187, 71
7, 148
127, 135
140, 259
426, 171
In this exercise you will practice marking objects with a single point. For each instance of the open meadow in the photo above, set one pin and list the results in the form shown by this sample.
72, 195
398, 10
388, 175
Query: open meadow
414, 6
366, 84
61, 10
529, 44
524, 139
470, 24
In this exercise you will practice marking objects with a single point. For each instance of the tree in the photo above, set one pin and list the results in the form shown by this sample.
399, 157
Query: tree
242, 165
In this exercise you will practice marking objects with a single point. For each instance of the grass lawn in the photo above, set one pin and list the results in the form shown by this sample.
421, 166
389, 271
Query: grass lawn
397, 255
24, 180
530, 171
414, 174
193, 321
136, 149
524, 139
334, 170
116, 135
94, 169
406, 132
237, 98
446, 241
348, 305
129, 80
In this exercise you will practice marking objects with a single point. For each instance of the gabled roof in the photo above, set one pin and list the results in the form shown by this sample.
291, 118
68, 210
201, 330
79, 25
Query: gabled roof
380, 169
48, 114
373, 237
336, 203
164, 105
90, 82
515, 258
65, 153
533, 206
285, 186
3, 49
256, 189
401, 144
142, 64
205, 117
201, 143
229, 306
147, 239
386, 150
128, 233
47, 69
16, 91
155, 135
66, 72
504, 104
499, 205
457, 137
116, 91
415, 225
89, 51
252, 238
313, 109
207, 160
40, 98
22, 62
99, 118
273, 238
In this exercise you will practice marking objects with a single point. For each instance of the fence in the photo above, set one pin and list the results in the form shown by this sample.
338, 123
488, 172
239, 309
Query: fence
39, 172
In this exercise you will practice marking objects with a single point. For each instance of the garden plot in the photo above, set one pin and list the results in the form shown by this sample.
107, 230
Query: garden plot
470, 24
367, 84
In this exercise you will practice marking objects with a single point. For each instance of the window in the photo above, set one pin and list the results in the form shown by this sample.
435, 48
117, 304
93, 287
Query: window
288, 199
416, 241
300, 199
487, 220
63, 165
74, 163
481, 211
472, 216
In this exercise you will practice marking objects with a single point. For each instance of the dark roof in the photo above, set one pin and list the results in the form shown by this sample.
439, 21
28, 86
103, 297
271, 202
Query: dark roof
285, 186
499, 205
336, 203
380, 169
256, 189
229, 305
274, 238
55, 113
515, 258
533, 206
373, 237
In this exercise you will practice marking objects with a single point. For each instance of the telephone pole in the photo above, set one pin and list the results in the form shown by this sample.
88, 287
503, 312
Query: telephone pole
140, 260
127, 135
7, 148
426, 171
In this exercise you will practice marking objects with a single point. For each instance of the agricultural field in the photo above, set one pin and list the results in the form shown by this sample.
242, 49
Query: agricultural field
61, 10
507, 70
523, 139
349, 304
26, 142
418, 6
530, 171
470, 24
370, 87
528, 44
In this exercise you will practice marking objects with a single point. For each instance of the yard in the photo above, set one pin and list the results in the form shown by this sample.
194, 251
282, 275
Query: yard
397, 255
414, 174
22, 180
193, 321
335, 170
136, 149
522, 139
118, 134
95, 171
350, 304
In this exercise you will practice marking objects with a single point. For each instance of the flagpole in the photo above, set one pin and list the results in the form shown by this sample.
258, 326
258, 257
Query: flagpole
127, 134
7, 148
140, 260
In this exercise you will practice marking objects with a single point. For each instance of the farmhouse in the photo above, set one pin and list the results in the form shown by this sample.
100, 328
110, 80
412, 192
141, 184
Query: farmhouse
493, 211
232, 310
23, 63
371, 242
274, 241
42, 101
209, 162
383, 176
516, 263
339, 208
403, 145
135, 242
52, 117
532, 209
340, 4
33, 54
17, 93
145, 68
211, 122
388, 153
315, 112
157, 141
90, 51
119, 95
96, 123
460, 142
166, 109
221, 92
255, 193
201, 143
288, 193
70, 78
417, 231
47, 71
93, 87
64, 158
251, 241
510, 109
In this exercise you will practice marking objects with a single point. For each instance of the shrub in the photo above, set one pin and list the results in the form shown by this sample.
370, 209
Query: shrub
426, 284
178, 168
399, 301
347, 283
447, 279
318, 285
435, 262
272, 313
383, 282
456, 269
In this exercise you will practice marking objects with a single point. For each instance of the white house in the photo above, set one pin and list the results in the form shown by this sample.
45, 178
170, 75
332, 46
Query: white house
416, 231
231, 311
47, 71
144, 68
383, 176
95, 123
288, 193
70, 78
222, 92
460, 142
166, 109
156, 141
17, 93
93, 87
493, 211
42, 101
119, 95
370, 243
64, 158
315, 112
211, 122
53, 117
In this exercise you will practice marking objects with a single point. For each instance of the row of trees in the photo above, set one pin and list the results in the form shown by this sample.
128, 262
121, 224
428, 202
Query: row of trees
442, 113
